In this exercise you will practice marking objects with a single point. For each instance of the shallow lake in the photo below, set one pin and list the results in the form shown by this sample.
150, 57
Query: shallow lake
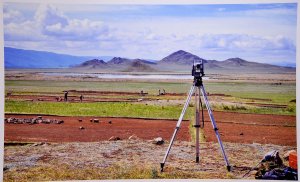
127, 76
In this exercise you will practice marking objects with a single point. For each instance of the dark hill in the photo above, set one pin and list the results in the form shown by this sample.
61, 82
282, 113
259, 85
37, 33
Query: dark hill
94, 63
185, 58
119, 61
236, 62
181, 57
145, 61
139, 66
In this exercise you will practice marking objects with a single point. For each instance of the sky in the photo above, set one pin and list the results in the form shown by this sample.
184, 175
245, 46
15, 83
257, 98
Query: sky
263, 33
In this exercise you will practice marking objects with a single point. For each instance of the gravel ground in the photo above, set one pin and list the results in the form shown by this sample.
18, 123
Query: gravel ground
128, 152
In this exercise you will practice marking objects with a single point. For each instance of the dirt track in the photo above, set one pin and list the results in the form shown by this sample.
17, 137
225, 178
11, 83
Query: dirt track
233, 127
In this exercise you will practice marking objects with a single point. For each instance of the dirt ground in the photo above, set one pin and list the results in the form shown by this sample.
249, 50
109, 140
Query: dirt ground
69, 131
233, 127
127, 153
253, 128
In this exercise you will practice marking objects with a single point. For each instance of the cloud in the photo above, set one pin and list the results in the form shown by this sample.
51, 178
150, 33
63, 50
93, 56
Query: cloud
245, 42
10, 15
49, 22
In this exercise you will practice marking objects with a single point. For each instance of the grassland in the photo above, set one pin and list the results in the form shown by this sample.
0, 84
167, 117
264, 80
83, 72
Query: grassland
59, 86
119, 109
266, 93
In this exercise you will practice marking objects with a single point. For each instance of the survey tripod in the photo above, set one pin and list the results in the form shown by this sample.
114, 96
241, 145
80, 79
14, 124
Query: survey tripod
197, 87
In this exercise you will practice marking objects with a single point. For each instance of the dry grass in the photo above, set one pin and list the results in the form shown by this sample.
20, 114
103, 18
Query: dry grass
117, 171
129, 160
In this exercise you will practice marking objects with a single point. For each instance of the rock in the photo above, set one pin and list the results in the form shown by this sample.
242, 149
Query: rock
5, 120
10, 120
242, 133
60, 122
287, 154
133, 137
96, 120
47, 121
37, 144
80, 120
91, 120
158, 141
109, 122
113, 138
81, 128
5, 168
34, 121
139, 100
28, 120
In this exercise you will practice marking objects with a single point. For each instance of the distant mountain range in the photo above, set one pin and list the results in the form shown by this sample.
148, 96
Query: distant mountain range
179, 61
19, 58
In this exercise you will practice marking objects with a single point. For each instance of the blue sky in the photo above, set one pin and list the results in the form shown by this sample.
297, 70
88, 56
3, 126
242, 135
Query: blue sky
256, 32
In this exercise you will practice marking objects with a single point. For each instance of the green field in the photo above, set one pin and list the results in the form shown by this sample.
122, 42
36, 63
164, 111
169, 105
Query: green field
59, 86
238, 93
118, 109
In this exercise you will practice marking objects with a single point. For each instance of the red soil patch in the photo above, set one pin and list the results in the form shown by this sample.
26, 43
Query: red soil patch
253, 128
240, 133
233, 127
69, 131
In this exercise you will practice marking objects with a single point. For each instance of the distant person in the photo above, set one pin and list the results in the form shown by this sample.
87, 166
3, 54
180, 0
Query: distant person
9, 93
81, 98
164, 92
66, 96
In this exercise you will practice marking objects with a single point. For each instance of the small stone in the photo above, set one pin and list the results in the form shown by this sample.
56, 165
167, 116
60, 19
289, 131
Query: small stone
133, 137
113, 138
242, 133
81, 128
158, 141
5, 168
37, 144
33, 121
96, 120
47, 121
60, 122
109, 122
10, 120
80, 120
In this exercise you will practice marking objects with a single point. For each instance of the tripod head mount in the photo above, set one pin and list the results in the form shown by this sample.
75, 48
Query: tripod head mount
198, 72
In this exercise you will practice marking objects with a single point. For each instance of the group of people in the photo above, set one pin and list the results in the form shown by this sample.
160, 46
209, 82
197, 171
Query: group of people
66, 96
160, 92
